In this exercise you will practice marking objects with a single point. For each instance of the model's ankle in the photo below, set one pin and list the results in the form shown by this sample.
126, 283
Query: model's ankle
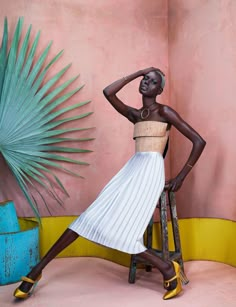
169, 270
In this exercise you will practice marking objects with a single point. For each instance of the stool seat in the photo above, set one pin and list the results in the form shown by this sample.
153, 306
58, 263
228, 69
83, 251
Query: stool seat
167, 200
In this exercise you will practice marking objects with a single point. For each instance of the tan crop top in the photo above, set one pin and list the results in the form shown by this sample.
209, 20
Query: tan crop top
150, 136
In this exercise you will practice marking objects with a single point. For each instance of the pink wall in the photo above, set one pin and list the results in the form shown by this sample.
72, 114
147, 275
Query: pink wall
202, 61
105, 40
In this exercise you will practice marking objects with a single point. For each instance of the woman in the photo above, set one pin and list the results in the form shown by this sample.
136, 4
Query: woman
121, 212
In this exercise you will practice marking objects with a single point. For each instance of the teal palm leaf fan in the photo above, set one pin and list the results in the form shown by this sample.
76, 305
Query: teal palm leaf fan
30, 135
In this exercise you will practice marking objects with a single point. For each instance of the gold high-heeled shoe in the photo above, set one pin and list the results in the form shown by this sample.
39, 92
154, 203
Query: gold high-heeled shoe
179, 276
23, 295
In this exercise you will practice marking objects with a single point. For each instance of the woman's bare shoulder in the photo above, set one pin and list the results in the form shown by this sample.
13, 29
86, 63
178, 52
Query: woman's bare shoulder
168, 112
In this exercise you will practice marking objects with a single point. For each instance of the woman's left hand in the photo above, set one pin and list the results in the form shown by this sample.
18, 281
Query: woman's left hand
173, 184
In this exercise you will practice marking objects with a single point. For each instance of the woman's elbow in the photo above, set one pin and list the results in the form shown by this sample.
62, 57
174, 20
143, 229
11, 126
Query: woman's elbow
201, 143
106, 92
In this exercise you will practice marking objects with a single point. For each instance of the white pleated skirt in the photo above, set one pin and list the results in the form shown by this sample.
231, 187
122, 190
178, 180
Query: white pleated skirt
120, 214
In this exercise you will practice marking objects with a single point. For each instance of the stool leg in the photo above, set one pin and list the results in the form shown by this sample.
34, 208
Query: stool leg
148, 267
132, 269
175, 228
164, 228
149, 234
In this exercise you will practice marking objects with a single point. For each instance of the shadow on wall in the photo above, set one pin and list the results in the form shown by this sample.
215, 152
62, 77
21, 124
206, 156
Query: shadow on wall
202, 187
9, 189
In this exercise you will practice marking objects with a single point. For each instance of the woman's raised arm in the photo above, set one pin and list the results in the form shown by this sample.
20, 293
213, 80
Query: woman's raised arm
111, 90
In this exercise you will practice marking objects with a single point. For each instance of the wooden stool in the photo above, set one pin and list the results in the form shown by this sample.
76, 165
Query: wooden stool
167, 199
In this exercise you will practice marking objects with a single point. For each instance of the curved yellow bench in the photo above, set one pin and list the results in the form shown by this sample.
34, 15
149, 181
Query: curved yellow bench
201, 239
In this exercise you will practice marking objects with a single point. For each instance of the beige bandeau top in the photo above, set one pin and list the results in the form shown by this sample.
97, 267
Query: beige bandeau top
150, 136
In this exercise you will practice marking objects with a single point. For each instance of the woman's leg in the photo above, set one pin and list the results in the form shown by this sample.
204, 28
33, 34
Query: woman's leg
66, 239
171, 273
165, 267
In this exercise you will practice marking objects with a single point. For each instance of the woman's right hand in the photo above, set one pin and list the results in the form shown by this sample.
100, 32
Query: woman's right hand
149, 69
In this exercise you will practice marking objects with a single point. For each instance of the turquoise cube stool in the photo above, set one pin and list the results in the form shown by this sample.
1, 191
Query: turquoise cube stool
19, 244
8, 217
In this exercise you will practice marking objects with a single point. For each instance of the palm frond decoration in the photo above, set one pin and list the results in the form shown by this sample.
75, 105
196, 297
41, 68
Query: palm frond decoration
30, 136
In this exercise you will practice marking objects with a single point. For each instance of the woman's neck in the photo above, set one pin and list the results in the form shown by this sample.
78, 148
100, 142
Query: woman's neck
148, 101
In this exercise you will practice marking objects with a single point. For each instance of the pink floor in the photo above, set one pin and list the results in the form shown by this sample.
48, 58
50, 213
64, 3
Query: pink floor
86, 282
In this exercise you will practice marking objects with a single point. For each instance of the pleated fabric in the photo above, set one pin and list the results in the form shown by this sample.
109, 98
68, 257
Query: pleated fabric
120, 214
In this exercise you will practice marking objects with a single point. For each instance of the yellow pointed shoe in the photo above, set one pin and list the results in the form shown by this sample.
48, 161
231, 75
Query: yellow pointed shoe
174, 292
23, 295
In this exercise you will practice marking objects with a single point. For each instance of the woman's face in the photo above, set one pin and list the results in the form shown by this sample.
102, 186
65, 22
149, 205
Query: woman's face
150, 85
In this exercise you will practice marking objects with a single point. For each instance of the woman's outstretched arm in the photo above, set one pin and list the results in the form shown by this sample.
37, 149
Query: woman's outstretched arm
198, 145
